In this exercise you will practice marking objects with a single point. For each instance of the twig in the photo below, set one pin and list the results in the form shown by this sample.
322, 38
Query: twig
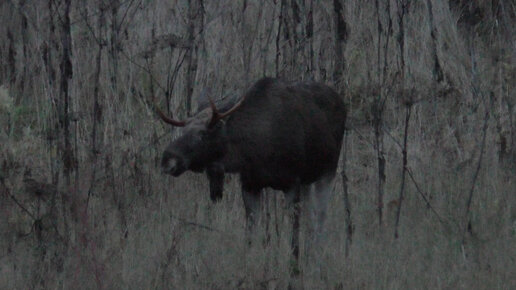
197, 225
124, 54
477, 170
441, 220
100, 42
153, 142
20, 205
125, 15
80, 19
416, 184
362, 136
392, 137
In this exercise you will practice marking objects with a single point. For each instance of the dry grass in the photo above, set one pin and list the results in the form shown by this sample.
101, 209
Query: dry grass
120, 224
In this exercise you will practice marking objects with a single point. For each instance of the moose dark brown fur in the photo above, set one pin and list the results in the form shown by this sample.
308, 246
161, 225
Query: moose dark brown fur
283, 136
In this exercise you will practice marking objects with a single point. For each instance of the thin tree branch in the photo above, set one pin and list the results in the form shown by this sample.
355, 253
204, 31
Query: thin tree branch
197, 225
477, 170
404, 169
18, 203
423, 195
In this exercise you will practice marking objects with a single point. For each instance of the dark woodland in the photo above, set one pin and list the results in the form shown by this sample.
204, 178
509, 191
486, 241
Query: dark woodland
424, 195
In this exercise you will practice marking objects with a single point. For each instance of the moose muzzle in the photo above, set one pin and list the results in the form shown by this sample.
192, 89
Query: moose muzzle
172, 165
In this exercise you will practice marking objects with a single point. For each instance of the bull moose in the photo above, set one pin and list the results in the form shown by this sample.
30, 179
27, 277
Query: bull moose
278, 135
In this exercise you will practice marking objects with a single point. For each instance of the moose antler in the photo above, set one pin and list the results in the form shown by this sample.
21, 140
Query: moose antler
166, 119
217, 115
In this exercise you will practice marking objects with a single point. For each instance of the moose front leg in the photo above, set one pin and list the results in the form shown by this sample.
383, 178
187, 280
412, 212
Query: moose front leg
215, 173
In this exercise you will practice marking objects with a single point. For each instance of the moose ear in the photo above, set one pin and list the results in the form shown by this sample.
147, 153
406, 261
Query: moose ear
203, 100
214, 125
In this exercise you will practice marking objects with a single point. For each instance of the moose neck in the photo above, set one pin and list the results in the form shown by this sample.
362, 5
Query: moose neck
232, 159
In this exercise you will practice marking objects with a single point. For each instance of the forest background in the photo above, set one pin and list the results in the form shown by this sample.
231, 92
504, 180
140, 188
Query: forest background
425, 196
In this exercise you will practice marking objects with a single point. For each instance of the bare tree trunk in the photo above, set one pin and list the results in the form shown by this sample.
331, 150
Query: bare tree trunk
48, 60
25, 39
279, 71
277, 221
114, 43
247, 43
437, 70
195, 22
295, 270
295, 42
388, 34
266, 45
341, 36
250, 33
297, 56
11, 58
379, 40
504, 102
310, 39
64, 105
97, 106
66, 76
266, 204
347, 204
378, 108
403, 6
287, 46
404, 168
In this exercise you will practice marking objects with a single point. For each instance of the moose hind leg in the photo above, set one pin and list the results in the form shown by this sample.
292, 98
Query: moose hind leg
252, 211
319, 198
316, 208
